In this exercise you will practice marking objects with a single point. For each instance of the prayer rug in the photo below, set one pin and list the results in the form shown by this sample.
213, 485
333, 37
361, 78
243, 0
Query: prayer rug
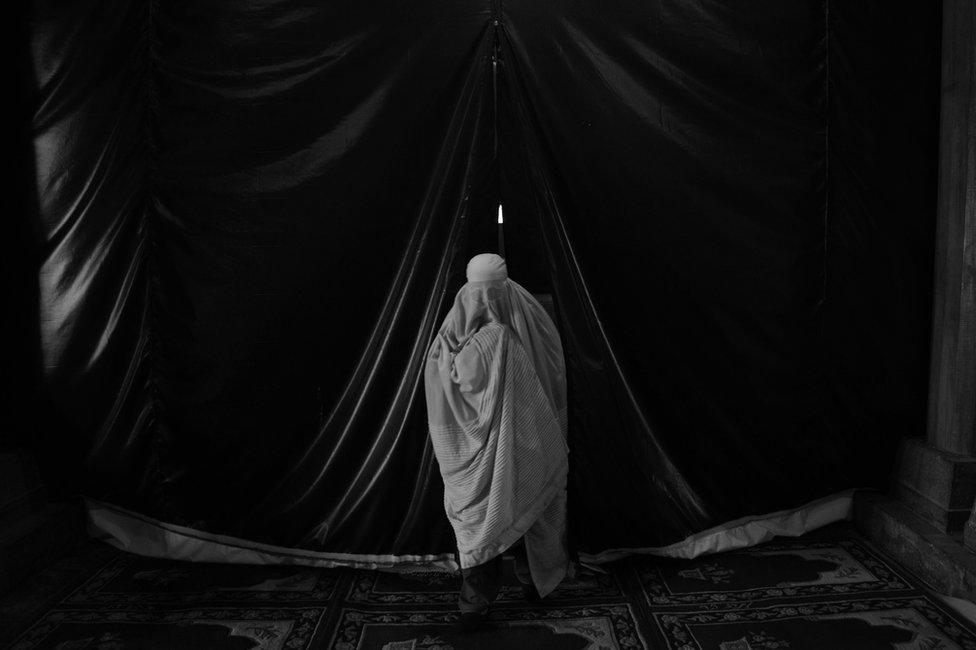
132, 579
829, 590
204, 628
429, 587
540, 628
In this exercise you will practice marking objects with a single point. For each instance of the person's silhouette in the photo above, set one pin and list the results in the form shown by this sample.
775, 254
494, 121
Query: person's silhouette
496, 404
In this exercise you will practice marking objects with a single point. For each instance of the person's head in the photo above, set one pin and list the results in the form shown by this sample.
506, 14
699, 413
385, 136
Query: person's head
487, 267
491, 297
484, 298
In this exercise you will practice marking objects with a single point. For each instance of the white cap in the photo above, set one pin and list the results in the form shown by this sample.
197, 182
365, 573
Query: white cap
485, 267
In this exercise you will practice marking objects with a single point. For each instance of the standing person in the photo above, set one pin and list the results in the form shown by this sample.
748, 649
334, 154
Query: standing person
496, 406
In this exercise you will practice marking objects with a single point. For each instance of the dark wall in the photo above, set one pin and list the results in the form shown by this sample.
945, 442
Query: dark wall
20, 359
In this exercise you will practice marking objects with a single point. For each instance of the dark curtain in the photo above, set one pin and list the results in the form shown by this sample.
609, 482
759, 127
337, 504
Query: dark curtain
679, 197
87, 249
881, 202
254, 215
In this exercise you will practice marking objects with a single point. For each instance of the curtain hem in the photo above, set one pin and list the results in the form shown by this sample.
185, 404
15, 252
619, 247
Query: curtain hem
745, 531
135, 533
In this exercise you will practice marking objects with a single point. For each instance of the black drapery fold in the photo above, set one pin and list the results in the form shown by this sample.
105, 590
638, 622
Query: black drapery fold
326, 256
89, 62
346, 492
884, 91
615, 450
254, 216
685, 274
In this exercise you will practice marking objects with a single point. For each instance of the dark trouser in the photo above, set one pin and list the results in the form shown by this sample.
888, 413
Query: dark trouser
480, 583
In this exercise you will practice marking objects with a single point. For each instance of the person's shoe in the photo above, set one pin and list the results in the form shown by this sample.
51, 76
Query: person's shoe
468, 622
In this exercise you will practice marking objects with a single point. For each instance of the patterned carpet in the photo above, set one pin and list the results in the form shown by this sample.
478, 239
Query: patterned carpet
827, 591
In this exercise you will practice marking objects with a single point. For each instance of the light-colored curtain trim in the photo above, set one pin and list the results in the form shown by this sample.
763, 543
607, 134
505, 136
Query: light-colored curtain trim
746, 531
143, 535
